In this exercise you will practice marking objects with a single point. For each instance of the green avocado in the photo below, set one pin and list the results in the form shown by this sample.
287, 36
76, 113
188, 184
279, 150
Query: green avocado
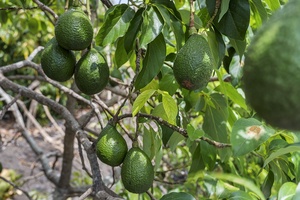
271, 78
57, 63
91, 72
193, 64
137, 172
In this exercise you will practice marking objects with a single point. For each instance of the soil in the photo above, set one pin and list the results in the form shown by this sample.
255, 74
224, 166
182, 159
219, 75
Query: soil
17, 155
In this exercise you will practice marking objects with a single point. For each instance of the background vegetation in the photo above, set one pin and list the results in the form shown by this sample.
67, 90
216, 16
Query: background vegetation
207, 143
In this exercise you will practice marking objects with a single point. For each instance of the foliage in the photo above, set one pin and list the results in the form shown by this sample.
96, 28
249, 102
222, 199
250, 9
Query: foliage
207, 143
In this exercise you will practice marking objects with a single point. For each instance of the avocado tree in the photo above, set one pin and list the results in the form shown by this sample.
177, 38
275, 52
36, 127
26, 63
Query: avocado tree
190, 132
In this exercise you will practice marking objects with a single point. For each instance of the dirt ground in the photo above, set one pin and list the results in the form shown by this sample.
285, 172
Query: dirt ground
16, 154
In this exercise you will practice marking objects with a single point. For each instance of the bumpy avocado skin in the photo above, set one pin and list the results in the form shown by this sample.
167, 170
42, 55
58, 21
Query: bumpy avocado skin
272, 69
193, 64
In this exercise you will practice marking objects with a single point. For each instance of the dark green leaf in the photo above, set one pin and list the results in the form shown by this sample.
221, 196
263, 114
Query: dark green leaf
166, 134
209, 154
121, 55
235, 21
247, 135
217, 47
168, 83
152, 63
239, 46
115, 25
178, 32
151, 27
268, 184
240, 195
170, 6
178, 196
197, 161
133, 30
215, 119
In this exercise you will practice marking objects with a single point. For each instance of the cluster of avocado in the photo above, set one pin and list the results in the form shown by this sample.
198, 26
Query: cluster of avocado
74, 32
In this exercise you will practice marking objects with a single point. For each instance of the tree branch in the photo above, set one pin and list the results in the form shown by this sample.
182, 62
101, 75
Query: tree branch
178, 129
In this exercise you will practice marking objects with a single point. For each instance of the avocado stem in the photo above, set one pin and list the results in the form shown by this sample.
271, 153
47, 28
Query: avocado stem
192, 28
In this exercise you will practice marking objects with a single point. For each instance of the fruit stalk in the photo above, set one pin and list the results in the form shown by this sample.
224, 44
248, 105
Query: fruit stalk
192, 28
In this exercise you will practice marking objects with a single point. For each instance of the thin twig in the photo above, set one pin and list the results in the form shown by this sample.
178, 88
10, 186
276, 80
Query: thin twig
46, 9
17, 187
7, 106
217, 7
178, 129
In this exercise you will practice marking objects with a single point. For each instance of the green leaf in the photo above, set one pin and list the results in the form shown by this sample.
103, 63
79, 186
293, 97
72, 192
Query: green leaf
159, 111
247, 135
166, 133
268, 184
231, 92
151, 142
194, 133
287, 191
215, 119
174, 140
141, 100
121, 55
185, 15
176, 27
151, 27
224, 9
239, 46
209, 155
297, 194
217, 46
170, 6
168, 83
152, 63
273, 4
235, 21
240, 195
133, 30
259, 12
170, 107
115, 25
288, 149
177, 196
197, 161
241, 181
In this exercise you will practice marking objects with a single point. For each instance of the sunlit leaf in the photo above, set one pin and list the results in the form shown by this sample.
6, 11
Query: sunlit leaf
141, 100
287, 191
288, 149
241, 181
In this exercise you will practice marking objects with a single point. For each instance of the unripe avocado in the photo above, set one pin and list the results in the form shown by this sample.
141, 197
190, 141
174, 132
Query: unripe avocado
111, 147
73, 30
272, 69
91, 72
57, 63
137, 172
193, 64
